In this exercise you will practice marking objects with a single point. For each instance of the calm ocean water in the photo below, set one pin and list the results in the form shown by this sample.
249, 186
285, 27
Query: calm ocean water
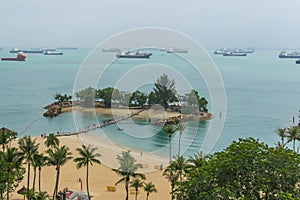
262, 94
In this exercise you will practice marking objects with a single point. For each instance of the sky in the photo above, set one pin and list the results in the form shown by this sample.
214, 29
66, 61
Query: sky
213, 23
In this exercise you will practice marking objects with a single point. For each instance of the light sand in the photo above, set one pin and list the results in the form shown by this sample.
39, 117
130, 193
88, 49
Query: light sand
157, 114
100, 175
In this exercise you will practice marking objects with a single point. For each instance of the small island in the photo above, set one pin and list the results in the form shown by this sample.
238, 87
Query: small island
163, 104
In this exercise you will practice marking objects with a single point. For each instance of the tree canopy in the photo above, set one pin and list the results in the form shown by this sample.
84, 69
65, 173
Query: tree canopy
247, 169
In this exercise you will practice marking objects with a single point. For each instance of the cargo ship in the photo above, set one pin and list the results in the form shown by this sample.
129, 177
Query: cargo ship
20, 57
298, 61
111, 50
133, 55
233, 53
53, 53
294, 54
172, 50
14, 50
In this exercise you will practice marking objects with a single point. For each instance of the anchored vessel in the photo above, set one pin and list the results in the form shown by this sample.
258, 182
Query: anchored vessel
20, 57
233, 53
173, 50
53, 53
14, 50
133, 55
294, 54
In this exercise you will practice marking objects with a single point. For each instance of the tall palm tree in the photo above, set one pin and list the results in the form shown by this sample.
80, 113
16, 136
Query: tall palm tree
164, 90
149, 188
51, 141
28, 148
293, 135
11, 161
58, 157
179, 166
127, 169
88, 156
180, 128
136, 184
172, 178
170, 129
38, 161
282, 132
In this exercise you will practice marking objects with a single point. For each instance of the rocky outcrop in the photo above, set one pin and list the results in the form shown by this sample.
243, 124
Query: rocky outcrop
55, 108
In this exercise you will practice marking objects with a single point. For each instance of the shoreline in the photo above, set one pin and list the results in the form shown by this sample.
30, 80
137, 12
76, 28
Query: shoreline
101, 176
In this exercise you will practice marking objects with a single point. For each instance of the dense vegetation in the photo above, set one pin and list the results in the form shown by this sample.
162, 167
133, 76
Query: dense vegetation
247, 169
163, 93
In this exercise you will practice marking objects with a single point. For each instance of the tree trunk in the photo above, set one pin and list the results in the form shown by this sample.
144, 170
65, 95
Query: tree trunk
147, 196
40, 170
282, 141
172, 191
126, 188
294, 142
87, 181
34, 178
56, 183
170, 154
8, 178
136, 193
28, 177
179, 141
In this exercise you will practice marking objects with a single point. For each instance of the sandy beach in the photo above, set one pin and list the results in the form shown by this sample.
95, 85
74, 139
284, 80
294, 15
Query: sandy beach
101, 176
157, 114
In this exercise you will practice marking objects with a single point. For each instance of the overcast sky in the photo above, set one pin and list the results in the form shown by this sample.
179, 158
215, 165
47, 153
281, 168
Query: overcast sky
213, 23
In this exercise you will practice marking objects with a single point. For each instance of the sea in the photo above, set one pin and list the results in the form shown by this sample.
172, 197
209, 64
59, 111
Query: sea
262, 94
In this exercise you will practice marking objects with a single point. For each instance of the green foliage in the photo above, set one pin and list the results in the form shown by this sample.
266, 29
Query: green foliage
62, 98
149, 188
128, 169
164, 90
87, 157
12, 172
247, 169
87, 96
57, 157
106, 95
194, 101
51, 141
137, 99
28, 148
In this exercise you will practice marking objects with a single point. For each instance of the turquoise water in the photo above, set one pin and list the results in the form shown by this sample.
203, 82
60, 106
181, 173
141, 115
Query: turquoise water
262, 94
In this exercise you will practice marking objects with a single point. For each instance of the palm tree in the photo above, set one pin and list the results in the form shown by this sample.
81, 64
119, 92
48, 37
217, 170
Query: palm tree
172, 178
170, 129
293, 135
197, 160
6, 136
149, 188
180, 128
164, 90
136, 183
282, 132
38, 161
51, 141
58, 157
179, 166
88, 156
127, 169
28, 148
11, 161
